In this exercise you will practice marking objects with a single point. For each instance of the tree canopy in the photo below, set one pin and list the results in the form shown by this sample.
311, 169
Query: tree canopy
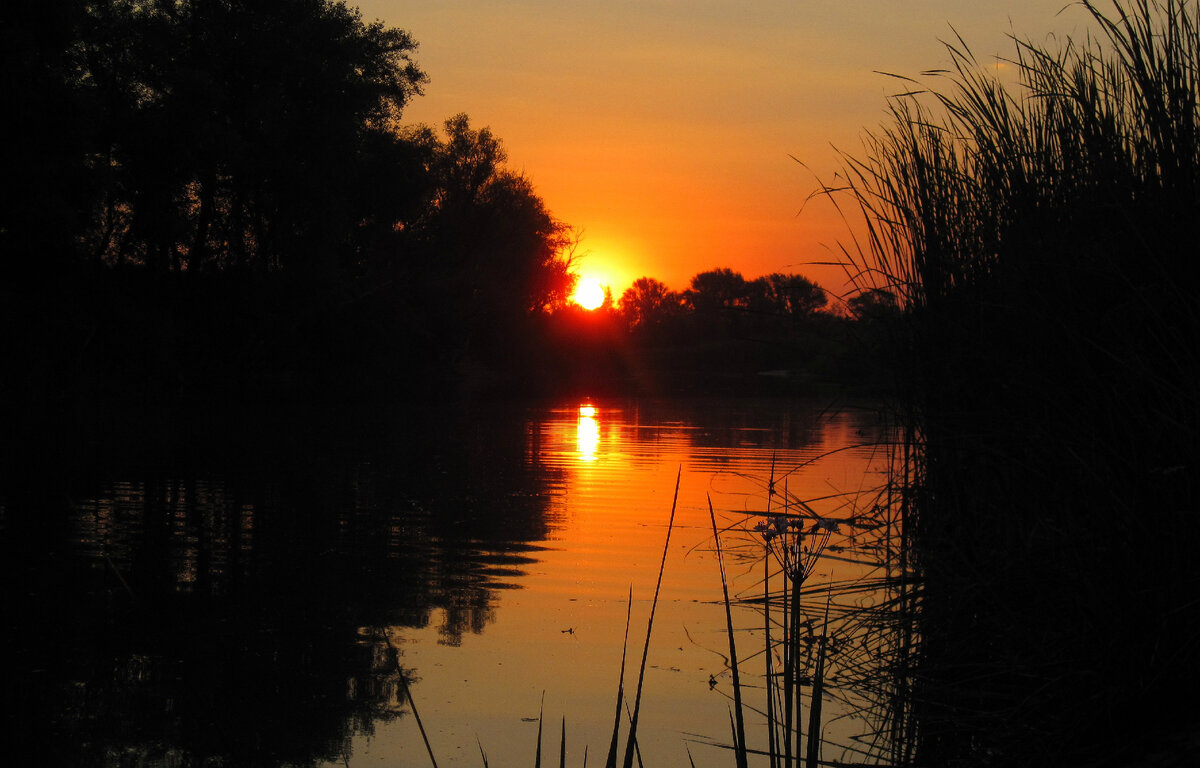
648, 303
221, 133
255, 149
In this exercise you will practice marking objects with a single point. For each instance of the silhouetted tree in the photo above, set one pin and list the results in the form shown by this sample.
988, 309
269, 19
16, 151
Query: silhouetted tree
718, 289
648, 305
788, 295
46, 136
486, 256
718, 298
230, 177
874, 304
237, 133
464, 164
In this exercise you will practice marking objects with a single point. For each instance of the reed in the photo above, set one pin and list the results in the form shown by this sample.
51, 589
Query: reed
631, 743
1042, 236
738, 724
611, 761
537, 758
562, 746
406, 692
842, 641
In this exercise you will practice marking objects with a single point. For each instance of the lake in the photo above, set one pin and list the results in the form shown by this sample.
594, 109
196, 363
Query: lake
266, 596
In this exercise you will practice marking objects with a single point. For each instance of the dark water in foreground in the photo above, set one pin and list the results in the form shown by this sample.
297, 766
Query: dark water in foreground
266, 600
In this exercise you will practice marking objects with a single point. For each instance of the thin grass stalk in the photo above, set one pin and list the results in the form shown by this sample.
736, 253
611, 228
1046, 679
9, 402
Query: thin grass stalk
417, 716
537, 760
562, 745
738, 747
611, 761
631, 744
637, 747
896, 581
482, 754
784, 707
797, 577
813, 750
120, 578
907, 609
791, 600
767, 676
740, 726
790, 648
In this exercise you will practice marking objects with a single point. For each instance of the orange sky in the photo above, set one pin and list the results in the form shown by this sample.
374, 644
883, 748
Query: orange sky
662, 128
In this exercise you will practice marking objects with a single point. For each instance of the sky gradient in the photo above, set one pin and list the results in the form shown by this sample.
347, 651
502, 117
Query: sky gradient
664, 130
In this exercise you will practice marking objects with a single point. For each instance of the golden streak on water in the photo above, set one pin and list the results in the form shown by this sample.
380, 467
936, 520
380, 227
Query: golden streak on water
587, 433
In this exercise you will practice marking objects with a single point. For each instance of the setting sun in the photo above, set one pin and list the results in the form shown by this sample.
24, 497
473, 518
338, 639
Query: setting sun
589, 294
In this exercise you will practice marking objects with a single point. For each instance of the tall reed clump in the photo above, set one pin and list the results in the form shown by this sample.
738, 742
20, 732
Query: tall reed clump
1044, 236
832, 652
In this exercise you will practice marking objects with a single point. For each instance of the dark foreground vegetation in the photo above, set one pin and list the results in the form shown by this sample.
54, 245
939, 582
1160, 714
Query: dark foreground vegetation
1043, 240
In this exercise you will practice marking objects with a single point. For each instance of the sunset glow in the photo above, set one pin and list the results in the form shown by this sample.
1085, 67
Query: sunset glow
666, 133
589, 293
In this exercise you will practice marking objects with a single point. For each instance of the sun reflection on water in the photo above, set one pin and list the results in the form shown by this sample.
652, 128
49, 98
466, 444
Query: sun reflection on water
587, 433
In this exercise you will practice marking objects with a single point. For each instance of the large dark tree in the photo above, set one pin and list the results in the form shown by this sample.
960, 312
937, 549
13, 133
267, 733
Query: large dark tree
199, 187
718, 289
486, 256
194, 134
241, 133
792, 296
719, 298
648, 305
47, 187
874, 304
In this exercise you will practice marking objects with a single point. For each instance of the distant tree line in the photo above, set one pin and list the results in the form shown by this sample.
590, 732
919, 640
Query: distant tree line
721, 297
777, 333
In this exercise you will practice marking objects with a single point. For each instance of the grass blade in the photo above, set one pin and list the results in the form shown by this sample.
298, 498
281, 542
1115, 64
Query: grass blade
767, 675
739, 725
813, 750
416, 716
537, 760
611, 762
637, 748
637, 701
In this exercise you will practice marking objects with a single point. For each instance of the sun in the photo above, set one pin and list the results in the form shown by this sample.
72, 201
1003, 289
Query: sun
589, 293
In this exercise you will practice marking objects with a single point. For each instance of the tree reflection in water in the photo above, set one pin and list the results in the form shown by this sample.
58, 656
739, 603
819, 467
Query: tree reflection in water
244, 611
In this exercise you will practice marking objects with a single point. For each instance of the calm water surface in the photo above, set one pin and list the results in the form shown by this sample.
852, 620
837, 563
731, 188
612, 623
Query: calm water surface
267, 603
